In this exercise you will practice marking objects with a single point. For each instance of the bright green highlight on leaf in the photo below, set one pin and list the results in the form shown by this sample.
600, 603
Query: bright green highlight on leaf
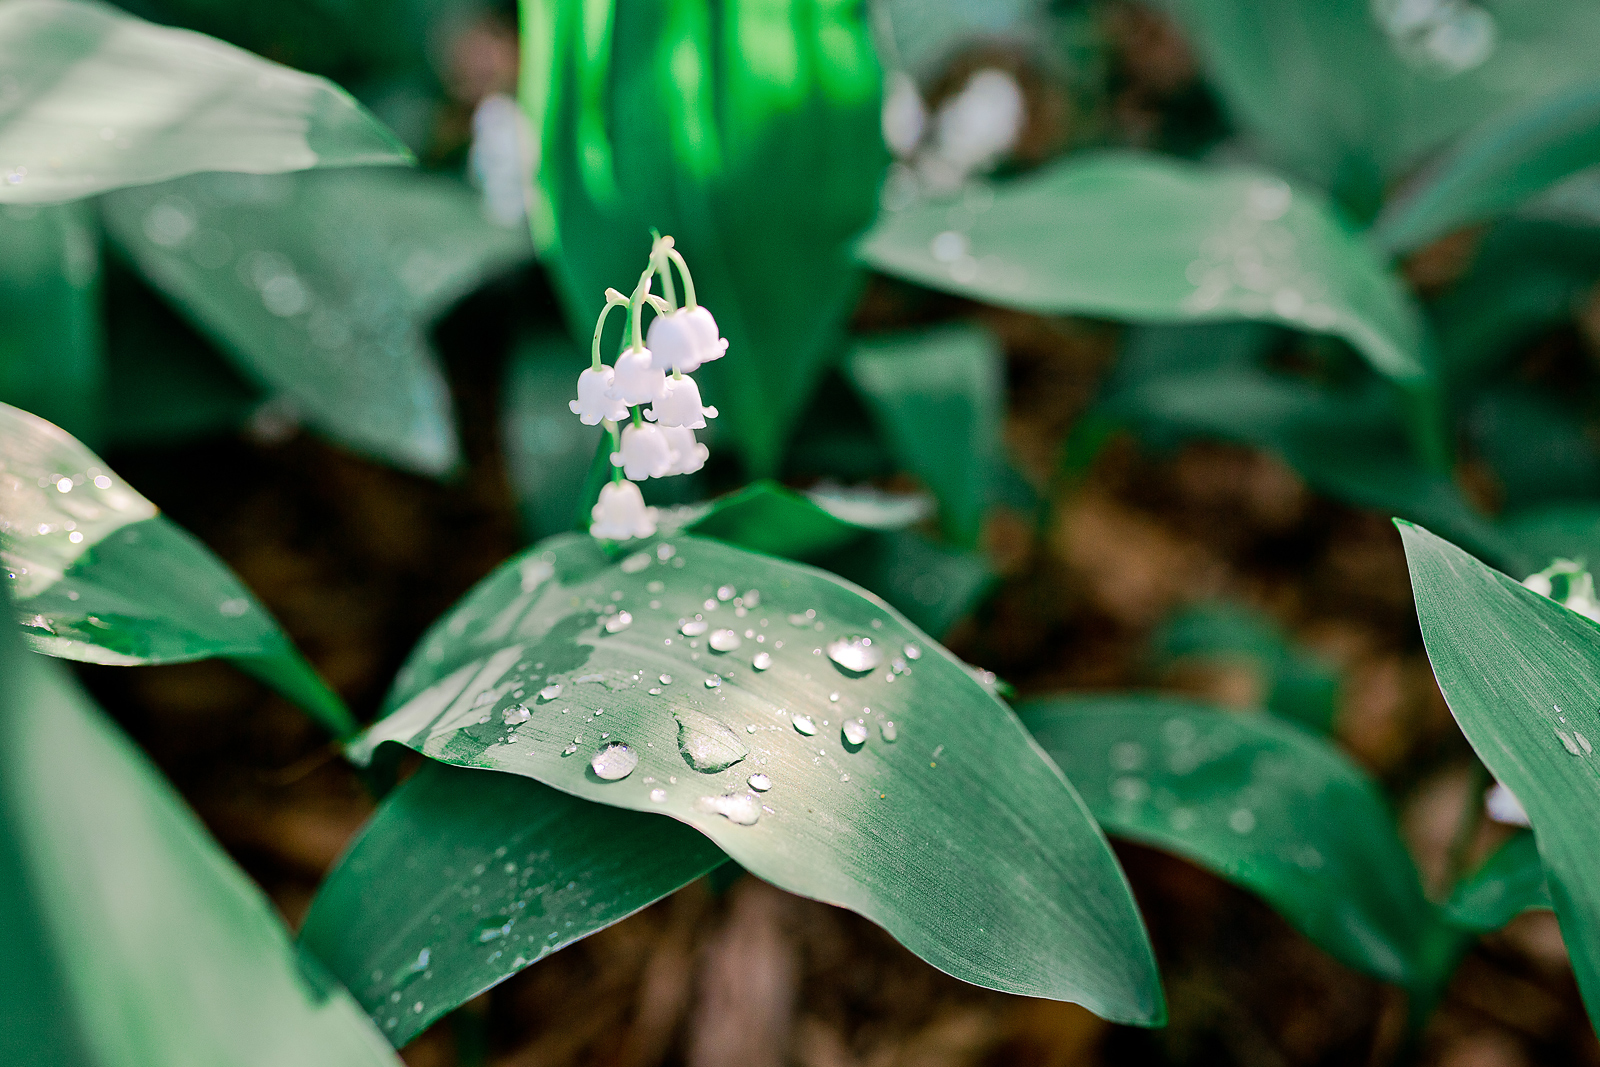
98, 99
1520, 673
752, 699
512, 870
1265, 805
98, 575
127, 936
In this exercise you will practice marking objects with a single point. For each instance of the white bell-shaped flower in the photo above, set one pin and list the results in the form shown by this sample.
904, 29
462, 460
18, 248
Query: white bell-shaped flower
682, 340
982, 122
620, 513
1504, 807
905, 116
594, 401
681, 406
646, 453
688, 455
637, 381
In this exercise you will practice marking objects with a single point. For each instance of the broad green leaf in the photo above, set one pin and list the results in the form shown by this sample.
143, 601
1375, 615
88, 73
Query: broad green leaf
322, 288
1263, 804
1519, 673
1498, 165
748, 132
765, 517
1300, 686
1508, 883
97, 99
938, 397
128, 937
935, 586
52, 358
948, 828
463, 878
1564, 531
1148, 239
926, 34
98, 575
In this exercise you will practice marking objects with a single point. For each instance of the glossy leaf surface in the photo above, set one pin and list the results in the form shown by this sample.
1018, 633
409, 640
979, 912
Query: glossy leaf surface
1148, 239
98, 100
322, 287
1264, 804
129, 937
948, 828
1508, 883
98, 575
1519, 673
463, 878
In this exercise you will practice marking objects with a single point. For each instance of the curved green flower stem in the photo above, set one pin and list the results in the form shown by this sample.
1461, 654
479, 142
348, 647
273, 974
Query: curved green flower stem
688, 282
636, 306
658, 259
638, 416
616, 446
613, 299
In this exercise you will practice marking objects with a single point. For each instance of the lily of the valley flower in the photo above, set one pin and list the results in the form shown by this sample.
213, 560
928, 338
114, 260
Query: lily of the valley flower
680, 406
688, 455
637, 381
646, 453
684, 339
595, 403
621, 513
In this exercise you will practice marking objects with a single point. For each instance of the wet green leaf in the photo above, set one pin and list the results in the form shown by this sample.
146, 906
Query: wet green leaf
98, 575
1262, 803
1498, 165
938, 397
1149, 239
127, 936
463, 878
947, 828
1519, 673
322, 287
97, 99
1508, 883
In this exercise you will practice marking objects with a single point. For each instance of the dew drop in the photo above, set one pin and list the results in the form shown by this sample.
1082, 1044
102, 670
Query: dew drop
550, 692
855, 654
714, 681
727, 592
636, 563
854, 732
618, 622
833, 698
1242, 821
1568, 743
706, 744
890, 732
760, 782
569, 750
655, 690
694, 627
724, 640
515, 715
614, 762
762, 661
912, 652
658, 796
804, 724
741, 808
666, 679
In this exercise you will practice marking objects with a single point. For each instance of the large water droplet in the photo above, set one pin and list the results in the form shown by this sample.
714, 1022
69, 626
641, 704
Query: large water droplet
889, 731
854, 732
666, 679
724, 640
550, 692
855, 654
804, 724
694, 627
762, 661
760, 782
658, 796
614, 762
708, 745
741, 808
515, 714
618, 622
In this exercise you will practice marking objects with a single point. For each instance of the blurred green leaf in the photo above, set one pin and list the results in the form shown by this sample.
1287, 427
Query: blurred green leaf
127, 936
1508, 883
1263, 804
948, 829
1537, 443
548, 451
1519, 673
933, 585
96, 99
463, 878
52, 354
98, 575
1565, 531
926, 34
938, 397
322, 288
1300, 687
765, 517
1498, 165
1149, 239
750, 133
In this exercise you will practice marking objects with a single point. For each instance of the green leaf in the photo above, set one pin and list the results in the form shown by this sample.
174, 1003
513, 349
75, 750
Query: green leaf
952, 832
1262, 803
1564, 531
1498, 165
1508, 883
1519, 673
322, 288
98, 100
1149, 239
98, 575
751, 135
938, 397
548, 451
463, 878
765, 517
52, 358
127, 936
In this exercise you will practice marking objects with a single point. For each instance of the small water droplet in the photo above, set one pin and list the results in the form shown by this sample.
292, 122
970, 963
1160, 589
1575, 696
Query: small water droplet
1242, 821
706, 744
550, 692
854, 732
752, 598
515, 714
694, 627
833, 698
569, 750
727, 592
1127, 756
855, 654
614, 762
889, 731
760, 782
618, 622
1130, 789
724, 640
1567, 742
804, 724
762, 661
665, 552
666, 679
1584, 741
658, 796
741, 808
713, 681
750, 729
636, 563
655, 690
912, 652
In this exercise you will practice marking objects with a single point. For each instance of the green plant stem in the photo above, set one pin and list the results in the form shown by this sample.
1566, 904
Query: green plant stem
688, 282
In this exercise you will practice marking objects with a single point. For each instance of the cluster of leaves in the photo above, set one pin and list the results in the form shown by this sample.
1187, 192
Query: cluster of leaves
820, 738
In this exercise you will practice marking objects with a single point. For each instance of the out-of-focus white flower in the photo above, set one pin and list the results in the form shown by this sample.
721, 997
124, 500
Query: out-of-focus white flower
637, 381
682, 340
621, 513
1449, 36
1504, 807
681, 406
688, 455
982, 122
1569, 584
905, 116
501, 159
595, 402
646, 453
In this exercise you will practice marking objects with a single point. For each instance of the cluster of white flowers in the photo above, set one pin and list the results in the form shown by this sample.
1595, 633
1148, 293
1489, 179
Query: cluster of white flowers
1444, 36
658, 441
971, 132
1569, 584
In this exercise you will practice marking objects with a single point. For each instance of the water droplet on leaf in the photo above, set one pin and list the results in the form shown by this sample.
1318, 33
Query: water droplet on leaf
614, 762
706, 744
694, 627
724, 640
855, 654
762, 661
618, 622
889, 731
805, 725
550, 692
854, 732
741, 808
515, 714
760, 782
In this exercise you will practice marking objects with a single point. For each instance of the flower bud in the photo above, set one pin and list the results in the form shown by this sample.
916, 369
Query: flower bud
621, 513
682, 340
688, 455
680, 406
637, 381
594, 401
646, 453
